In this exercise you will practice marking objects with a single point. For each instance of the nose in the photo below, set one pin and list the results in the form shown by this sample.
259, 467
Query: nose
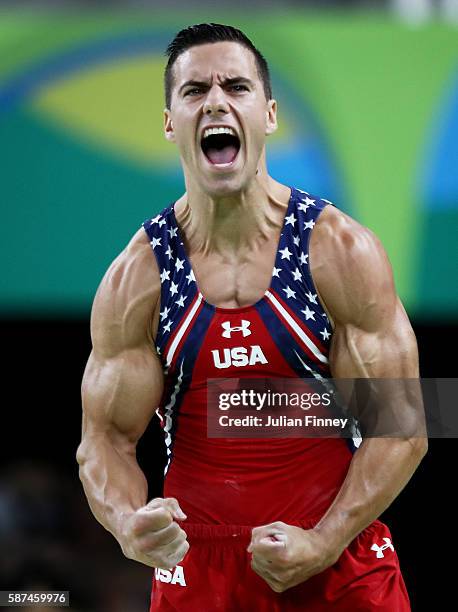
215, 102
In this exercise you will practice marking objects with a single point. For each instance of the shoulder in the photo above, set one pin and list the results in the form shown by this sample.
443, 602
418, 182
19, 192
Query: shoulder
351, 269
126, 298
338, 231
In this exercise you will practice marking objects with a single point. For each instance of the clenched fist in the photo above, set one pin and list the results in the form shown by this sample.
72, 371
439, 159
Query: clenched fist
152, 536
286, 556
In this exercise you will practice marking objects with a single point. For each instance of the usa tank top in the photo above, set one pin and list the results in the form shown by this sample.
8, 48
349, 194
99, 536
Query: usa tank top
285, 334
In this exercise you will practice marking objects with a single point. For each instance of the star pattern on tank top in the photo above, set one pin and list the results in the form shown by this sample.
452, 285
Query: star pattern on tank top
289, 280
289, 275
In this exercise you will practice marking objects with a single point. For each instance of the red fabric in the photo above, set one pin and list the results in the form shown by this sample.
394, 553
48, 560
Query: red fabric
218, 577
221, 481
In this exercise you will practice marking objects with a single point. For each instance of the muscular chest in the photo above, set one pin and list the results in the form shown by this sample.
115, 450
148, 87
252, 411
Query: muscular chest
232, 281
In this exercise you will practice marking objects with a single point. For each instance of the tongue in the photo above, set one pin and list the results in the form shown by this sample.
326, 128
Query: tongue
222, 156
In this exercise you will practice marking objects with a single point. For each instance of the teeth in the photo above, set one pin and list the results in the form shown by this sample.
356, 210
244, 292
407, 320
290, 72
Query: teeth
221, 130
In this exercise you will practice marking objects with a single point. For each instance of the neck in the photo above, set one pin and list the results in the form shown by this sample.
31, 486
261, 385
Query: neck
235, 221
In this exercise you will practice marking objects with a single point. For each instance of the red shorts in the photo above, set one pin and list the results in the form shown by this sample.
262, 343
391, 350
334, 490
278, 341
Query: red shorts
216, 575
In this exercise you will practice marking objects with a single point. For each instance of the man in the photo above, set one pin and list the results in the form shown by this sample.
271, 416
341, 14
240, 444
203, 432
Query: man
252, 524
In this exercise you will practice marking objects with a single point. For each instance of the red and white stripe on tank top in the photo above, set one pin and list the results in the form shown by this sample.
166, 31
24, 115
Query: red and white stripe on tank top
285, 334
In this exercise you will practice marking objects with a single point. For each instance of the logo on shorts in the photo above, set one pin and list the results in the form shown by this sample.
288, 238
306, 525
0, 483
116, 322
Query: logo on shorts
379, 549
175, 576
242, 328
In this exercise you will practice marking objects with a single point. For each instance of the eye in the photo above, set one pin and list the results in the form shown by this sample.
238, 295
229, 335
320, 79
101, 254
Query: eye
239, 87
195, 91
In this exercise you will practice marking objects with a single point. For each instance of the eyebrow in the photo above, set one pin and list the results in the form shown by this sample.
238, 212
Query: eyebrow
226, 82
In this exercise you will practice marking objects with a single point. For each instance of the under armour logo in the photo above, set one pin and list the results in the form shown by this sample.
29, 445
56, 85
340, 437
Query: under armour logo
228, 329
380, 549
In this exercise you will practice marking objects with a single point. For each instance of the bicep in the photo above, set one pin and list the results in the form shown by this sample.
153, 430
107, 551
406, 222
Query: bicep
120, 393
123, 380
387, 349
388, 401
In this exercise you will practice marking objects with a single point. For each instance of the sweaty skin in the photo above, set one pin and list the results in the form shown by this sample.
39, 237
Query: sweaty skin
231, 220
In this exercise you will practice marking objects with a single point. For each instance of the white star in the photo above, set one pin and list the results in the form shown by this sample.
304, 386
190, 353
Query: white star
179, 264
165, 313
297, 275
169, 252
165, 275
309, 224
285, 253
312, 297
181, 300
190, 277
309, 314
161, 222
303, 258
155, 220
155, 242
296, 240
173, 288
310, 201
172, 232
291, 220
302, 206
167, 326
325, 334
276, 272
289, 292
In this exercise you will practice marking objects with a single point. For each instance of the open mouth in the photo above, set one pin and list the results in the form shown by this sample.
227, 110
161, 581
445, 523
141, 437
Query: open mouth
220, 146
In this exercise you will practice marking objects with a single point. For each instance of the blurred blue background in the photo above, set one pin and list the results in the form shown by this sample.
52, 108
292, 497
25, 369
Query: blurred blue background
368, 119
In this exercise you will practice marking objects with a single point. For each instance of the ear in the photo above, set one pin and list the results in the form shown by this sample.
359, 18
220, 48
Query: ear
168, 126
271, 117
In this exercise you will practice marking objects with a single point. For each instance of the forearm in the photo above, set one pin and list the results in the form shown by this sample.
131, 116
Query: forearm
114, 484
379, 470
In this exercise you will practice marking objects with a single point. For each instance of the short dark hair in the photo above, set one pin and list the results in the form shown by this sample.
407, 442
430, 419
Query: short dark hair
204, 33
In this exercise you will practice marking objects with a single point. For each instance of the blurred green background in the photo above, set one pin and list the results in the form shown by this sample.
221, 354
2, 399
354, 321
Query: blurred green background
368, 111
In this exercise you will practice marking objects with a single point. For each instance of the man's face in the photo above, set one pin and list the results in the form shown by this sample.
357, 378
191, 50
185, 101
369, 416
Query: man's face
217, 86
